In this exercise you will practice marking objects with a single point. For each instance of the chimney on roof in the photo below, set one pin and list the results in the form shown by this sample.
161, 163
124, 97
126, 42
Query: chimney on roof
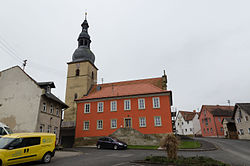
164, 80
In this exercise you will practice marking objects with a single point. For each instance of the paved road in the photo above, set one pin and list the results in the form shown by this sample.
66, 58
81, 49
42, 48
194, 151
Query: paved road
234, 152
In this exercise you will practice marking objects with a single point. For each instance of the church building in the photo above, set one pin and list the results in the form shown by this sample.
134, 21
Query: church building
101, 109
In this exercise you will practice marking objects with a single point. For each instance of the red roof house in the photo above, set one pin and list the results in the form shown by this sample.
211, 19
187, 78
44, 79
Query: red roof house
143, 105
211, 117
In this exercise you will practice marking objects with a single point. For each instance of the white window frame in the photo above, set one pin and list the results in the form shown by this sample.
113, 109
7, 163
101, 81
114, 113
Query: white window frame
87, 111
113, 106
100, 106
157, 121
111, 123
142, 122
44, 107
51, 109
86, 127
99, 124
141, 104
127, 105
156, 102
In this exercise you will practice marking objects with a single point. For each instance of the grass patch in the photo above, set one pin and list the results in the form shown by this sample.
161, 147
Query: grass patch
187, 161
142, 147
189, 145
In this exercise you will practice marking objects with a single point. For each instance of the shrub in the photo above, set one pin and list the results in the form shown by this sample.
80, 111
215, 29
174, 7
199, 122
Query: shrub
170, 142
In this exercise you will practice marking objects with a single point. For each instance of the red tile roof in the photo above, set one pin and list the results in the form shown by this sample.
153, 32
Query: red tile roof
187, 115
126, 88
218, 110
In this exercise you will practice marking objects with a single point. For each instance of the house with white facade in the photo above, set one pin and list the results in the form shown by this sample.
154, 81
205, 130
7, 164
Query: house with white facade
27, 105
187, 123
241, 116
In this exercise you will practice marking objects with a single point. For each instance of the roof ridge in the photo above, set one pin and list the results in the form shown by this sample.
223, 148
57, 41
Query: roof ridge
130, 81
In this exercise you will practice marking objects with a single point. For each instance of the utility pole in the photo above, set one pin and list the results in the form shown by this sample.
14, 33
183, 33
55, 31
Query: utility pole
24, 64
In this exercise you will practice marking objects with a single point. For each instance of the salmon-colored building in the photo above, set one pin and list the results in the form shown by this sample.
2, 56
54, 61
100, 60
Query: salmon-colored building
211, 117
143, 105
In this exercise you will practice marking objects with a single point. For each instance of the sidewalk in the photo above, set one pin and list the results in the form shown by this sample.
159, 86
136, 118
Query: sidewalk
62, 154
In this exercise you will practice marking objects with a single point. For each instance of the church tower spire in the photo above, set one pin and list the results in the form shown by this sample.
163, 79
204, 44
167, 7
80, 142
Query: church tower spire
82, 73
83, 52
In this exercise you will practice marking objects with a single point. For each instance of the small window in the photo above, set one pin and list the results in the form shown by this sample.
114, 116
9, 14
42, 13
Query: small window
87, 108
186, 130
211, 130
204, 130
77, 72
75, 96
126, 104
142, 122
44, 107
246, 118
55, 130
57, 111
206, 121
113, 123
207, 130
99, 124
141, 103
241, 131
86, 125
85, 42
113, 106
248, 130
187, 122
157, 120
238, 120
219, 119
221, 129
51, 109
191, 129
156, 102
49, 128
100, 107
92, 75
80, 42
42, 126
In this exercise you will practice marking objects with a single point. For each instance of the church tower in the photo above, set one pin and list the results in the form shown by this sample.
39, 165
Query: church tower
82, 73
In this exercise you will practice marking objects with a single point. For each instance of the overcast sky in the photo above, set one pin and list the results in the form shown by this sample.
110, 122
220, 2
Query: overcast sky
204, 46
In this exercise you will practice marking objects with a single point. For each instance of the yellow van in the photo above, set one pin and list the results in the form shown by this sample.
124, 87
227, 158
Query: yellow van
25, 147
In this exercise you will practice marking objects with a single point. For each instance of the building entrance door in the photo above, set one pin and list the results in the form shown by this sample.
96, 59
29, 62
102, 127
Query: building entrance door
128, 122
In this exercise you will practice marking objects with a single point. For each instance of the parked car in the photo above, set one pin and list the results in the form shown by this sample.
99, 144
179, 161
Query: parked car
4, 129
26, 147
110, 143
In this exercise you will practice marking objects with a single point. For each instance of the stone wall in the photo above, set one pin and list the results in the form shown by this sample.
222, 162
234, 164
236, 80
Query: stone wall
128, 135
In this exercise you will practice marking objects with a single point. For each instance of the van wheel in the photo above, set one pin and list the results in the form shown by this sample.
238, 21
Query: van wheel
0, 162
46, 158
115, 147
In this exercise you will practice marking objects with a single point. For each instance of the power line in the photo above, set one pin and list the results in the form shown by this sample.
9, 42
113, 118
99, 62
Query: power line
8, 49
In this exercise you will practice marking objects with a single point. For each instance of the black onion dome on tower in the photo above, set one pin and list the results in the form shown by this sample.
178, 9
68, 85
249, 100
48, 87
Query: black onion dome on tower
83, 52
